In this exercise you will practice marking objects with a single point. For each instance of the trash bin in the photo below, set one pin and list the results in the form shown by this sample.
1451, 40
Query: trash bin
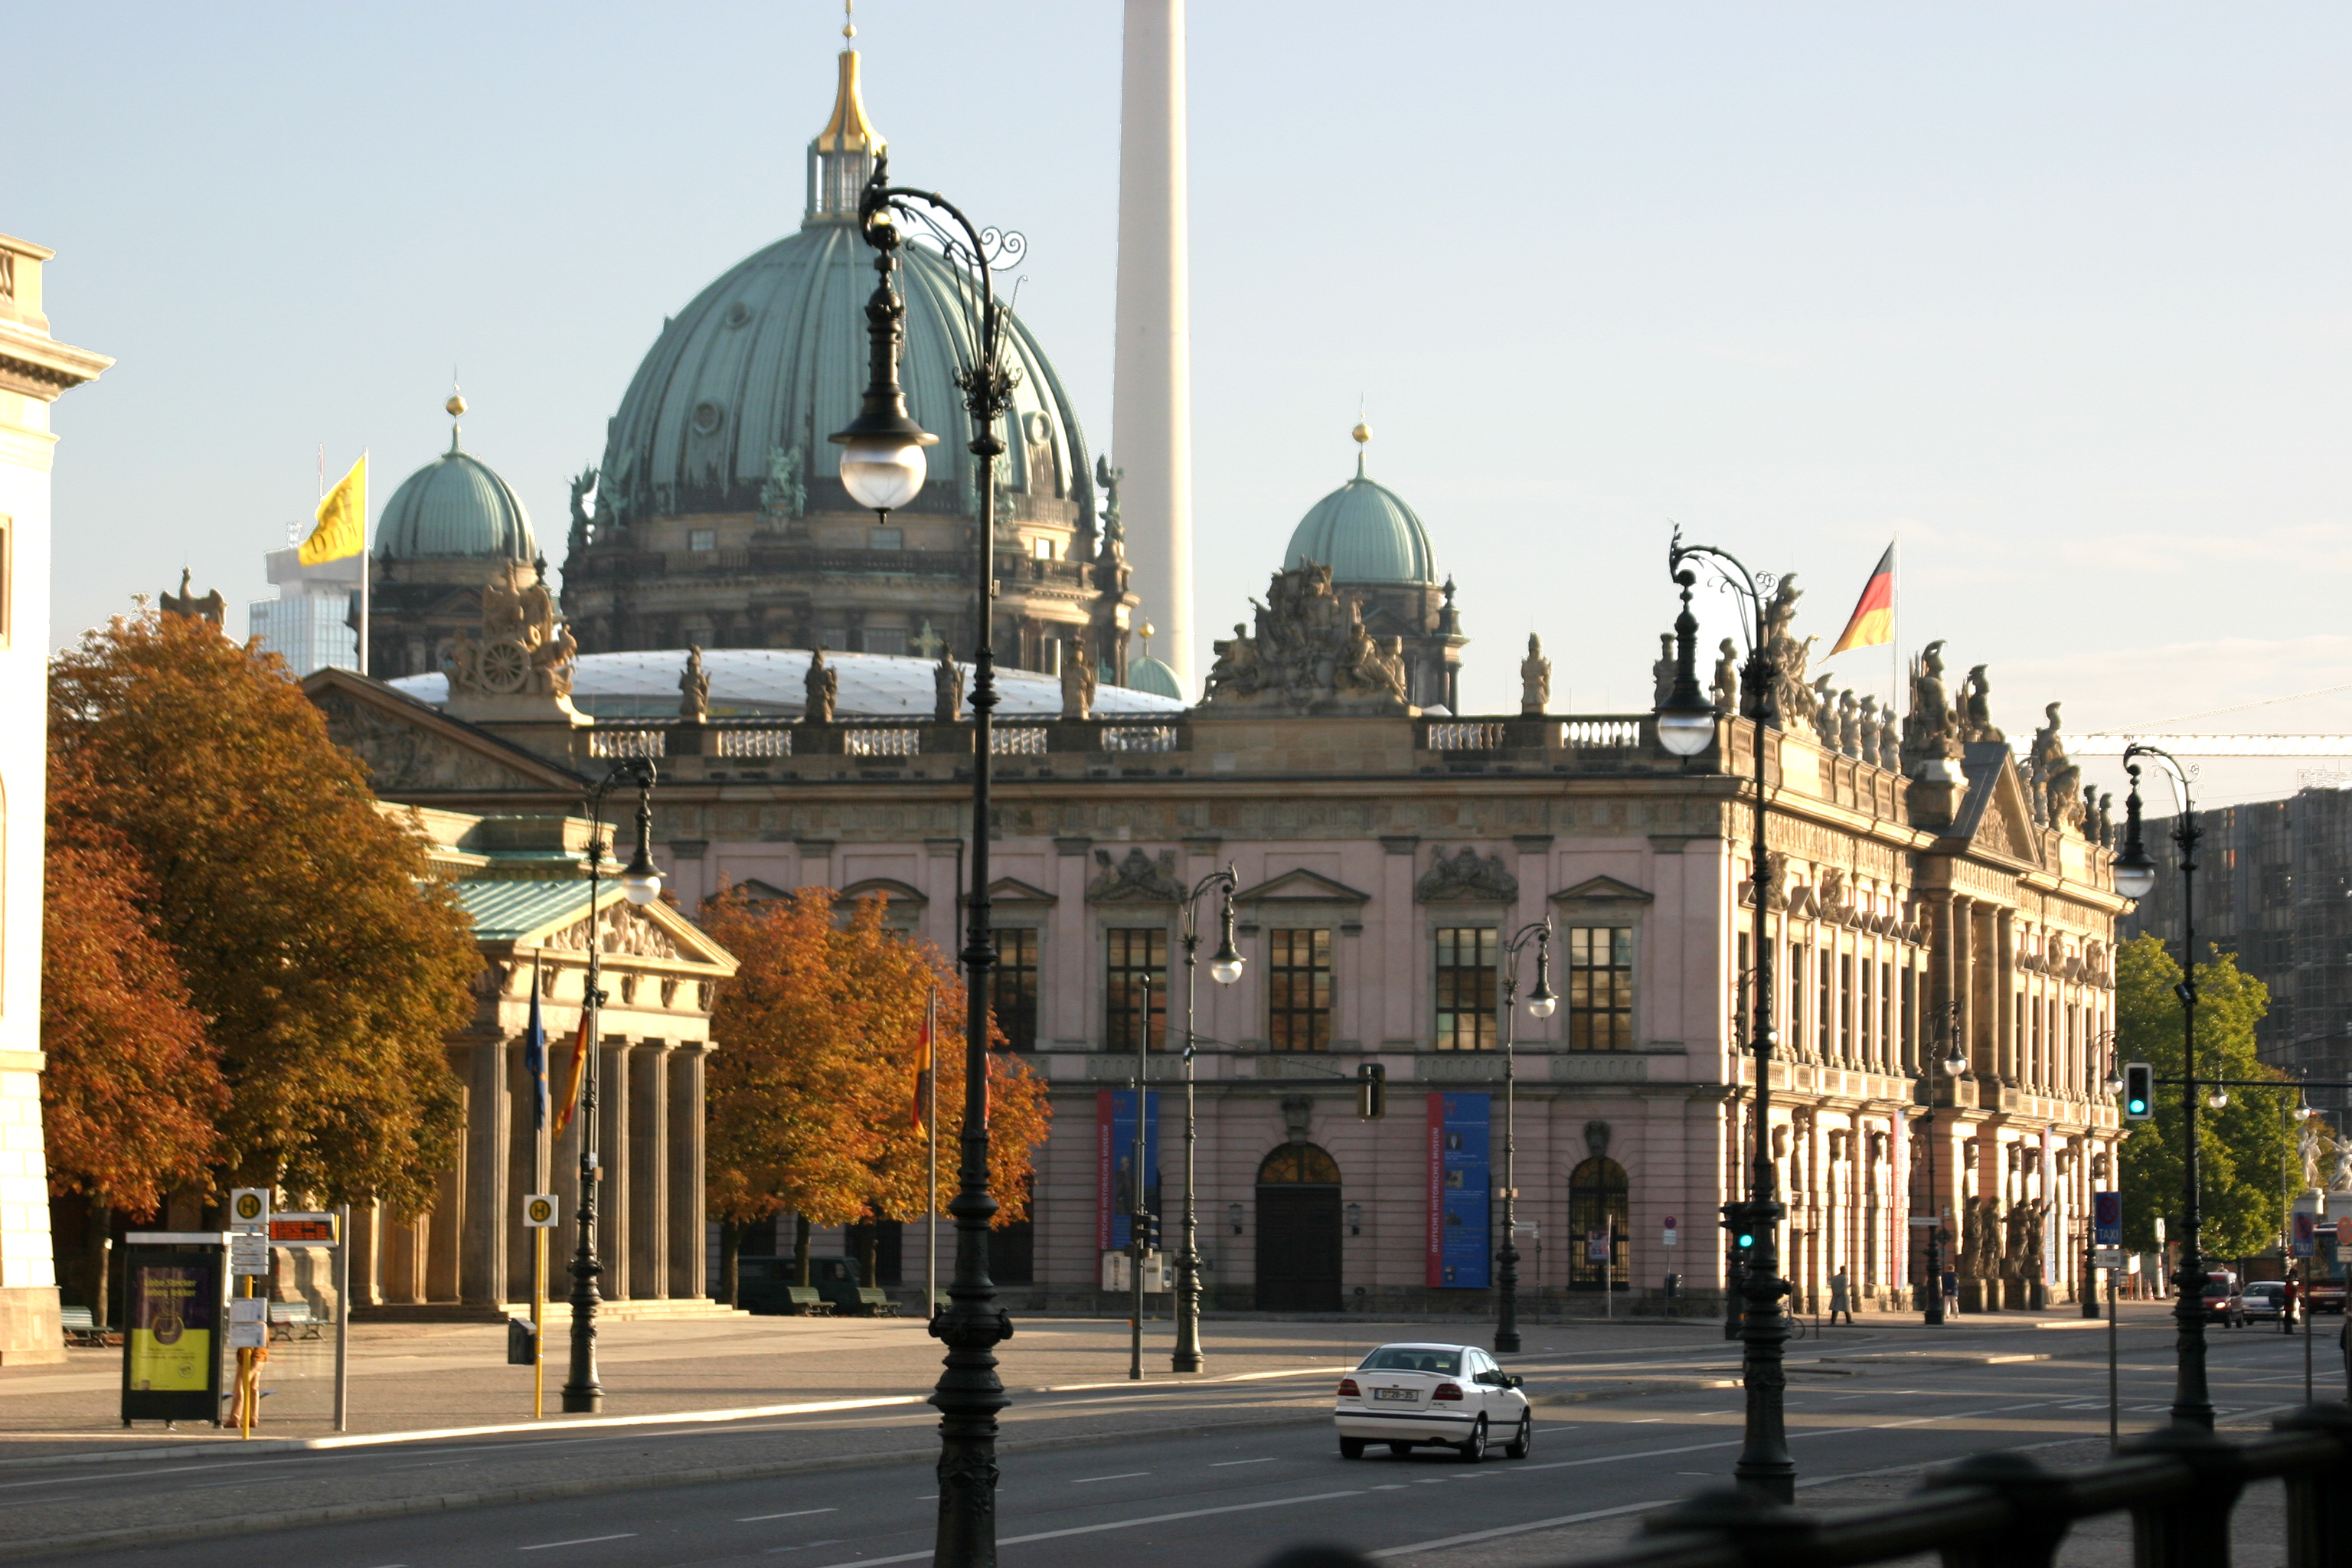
520, 1345
1674, 1289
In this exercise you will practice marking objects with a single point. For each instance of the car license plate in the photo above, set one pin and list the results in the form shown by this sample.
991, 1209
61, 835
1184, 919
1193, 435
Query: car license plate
1406, 1395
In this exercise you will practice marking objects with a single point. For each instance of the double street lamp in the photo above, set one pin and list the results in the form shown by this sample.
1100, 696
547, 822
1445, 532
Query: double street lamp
1951, 1067
640, 885
1541, 1004
883, 466
1225, 968
1687, 725
2192, 1404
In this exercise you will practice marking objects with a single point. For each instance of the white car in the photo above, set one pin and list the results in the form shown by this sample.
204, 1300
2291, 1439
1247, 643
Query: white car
1452, 1396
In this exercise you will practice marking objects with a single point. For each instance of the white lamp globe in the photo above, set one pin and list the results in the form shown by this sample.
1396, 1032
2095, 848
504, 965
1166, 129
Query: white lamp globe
1686, 734
883, 473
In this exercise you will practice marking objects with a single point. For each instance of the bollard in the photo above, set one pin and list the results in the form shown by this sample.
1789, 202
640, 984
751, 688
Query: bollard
2189, 1527
2036, 1499
1674, 1289
2319, 1506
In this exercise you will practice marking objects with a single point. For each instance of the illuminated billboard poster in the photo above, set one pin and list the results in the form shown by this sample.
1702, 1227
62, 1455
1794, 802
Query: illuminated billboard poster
1115, 1163
1460, 1251
171, 1331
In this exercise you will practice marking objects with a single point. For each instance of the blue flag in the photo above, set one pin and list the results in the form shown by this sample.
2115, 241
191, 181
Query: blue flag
534, 1056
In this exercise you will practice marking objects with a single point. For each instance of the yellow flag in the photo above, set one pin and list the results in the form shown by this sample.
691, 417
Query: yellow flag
343, 520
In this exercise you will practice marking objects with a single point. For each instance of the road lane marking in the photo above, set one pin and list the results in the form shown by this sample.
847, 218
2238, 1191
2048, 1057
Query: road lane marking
796, 1513
1228, 1463
582, 1540
925, 1555
1122, 1476
1521, 1529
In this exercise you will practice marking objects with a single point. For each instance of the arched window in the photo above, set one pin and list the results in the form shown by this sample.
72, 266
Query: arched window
1299, 1162
1597, 1204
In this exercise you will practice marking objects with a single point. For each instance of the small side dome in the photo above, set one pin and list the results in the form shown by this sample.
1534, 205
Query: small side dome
456, 507
1364, 531
1154, 675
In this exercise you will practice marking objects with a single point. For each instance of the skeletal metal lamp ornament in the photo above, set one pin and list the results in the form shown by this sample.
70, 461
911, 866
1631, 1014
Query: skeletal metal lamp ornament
1226, 965
882, 462
641, 879
2135, 867
1541, 1000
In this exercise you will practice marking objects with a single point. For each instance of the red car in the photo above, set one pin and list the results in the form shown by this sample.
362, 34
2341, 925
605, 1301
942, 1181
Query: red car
2223, 1304
2324, 1295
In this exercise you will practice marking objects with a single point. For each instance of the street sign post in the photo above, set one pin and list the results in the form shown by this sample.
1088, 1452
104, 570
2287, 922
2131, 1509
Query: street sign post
2107, 1219
1671, 1237
539, 1212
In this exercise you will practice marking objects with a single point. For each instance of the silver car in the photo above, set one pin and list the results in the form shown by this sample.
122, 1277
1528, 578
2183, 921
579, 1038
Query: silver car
1451, 1396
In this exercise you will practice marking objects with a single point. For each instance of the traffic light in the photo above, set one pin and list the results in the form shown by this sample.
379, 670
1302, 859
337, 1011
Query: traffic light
1371, 1091
2139, 1091
1150, 1232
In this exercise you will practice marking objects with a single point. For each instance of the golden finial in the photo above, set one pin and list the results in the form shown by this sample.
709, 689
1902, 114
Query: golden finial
455, 406
849, 18
1362, 433
1147, 630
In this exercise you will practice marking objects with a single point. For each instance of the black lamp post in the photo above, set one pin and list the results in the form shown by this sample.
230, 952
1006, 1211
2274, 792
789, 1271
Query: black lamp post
1952, 1066
1687, 725
2192, 1405
1540, 1004
640, 884
1225, 968
882, 466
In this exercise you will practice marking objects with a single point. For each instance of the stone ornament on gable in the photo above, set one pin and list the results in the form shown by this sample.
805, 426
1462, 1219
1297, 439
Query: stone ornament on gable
1466, 878
1138, 879
621, 932
403, 756
1309, 654
518, 665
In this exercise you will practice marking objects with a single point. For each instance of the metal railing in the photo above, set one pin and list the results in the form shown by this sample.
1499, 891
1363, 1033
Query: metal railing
603, 742
2004, 1510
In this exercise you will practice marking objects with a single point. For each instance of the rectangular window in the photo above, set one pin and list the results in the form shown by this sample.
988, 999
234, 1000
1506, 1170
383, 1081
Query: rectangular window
1845, 1007
1465, 988
1826, 1004
1012, 987
702, 538
886, 539
1910, 1019
1136, 957
1890, 1050
1866, 1014
1299, 990
1600, 988
1043, 549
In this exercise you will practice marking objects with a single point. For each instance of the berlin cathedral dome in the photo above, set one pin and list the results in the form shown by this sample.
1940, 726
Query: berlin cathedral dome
718, 517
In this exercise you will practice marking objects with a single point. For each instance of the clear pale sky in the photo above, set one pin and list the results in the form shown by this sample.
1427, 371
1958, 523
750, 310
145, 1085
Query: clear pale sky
2057, 293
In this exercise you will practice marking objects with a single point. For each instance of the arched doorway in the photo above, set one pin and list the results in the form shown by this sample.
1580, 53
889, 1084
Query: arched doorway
1597, 1202
1299, 1231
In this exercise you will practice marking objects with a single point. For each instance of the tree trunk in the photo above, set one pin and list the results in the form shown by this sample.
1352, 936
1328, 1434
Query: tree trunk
730, 1260
801, 1248
869, 1243
97, 1228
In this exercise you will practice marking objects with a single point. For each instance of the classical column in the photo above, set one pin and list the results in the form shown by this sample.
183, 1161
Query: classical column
649, 1170
612, 1148
481, 1218
523, 1173
686, 1156
444, 1231
366, 1242
2004, 991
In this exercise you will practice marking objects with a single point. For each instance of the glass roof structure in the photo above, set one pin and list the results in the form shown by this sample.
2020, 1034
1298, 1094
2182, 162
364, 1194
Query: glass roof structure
759, 682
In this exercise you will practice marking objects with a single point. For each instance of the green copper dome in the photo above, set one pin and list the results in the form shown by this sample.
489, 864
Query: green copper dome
1365, 533
456, 507
1155, 676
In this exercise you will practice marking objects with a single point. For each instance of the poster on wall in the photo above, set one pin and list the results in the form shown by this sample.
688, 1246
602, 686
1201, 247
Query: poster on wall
173, 1329
1460, 1249
1115, 1163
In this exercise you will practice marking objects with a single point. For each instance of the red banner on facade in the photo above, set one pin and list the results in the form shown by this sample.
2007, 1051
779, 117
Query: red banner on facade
1436, 1246
1106, 1171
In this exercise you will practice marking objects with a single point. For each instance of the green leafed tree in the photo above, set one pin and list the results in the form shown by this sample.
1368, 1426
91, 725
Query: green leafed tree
2245, 1151
330, 965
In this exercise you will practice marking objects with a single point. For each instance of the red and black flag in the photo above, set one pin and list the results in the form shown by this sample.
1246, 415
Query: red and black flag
1873, 621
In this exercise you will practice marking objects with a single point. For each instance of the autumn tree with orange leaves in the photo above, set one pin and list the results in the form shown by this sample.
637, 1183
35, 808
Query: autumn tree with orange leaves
812, 1095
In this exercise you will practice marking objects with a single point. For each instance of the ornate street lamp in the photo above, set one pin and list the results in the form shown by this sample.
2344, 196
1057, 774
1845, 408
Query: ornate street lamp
1687, 725
641, 885
883, 466
1952, 1066
2192, 1404
1225, 968
1541, 1004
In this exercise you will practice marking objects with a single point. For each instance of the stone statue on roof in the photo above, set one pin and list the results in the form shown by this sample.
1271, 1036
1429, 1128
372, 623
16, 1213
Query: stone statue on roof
1310, 652
947, 687
1794, 701
1931, 730
582, 483
1661, 671
694, 688
210, 607
1078, 680
1727, 678
519, 665
1976, 697
821, 689
1535, 679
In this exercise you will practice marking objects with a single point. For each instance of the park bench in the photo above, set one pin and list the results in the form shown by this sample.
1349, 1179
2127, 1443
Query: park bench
874, 1303
802, 1301
83, 1329
292, 1320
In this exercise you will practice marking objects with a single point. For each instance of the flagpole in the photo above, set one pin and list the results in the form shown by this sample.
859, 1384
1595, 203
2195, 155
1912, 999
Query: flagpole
1895, 625
364, 573
539, 1173
931, 1127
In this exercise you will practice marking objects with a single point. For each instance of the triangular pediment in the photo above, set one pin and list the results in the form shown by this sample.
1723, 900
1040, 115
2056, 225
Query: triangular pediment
1013, 890
413, 750
1603, 890
1302, 886
1995, 818
622, 930
889, 887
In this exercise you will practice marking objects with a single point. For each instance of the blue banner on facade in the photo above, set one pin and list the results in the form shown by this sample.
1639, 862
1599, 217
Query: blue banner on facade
1115, 1158
1462, 1249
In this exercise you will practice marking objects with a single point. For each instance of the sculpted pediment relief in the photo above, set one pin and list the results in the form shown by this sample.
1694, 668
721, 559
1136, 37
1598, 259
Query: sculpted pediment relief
1139, 879
621, 931
403, 756
1466, 878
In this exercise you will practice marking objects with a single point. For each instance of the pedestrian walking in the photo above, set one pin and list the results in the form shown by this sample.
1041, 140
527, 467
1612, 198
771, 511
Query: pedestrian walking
1841, 1298
2288, 1299
1951, 1291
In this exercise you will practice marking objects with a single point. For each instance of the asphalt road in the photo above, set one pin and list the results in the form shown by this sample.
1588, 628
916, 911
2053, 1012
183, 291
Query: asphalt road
1881, 1405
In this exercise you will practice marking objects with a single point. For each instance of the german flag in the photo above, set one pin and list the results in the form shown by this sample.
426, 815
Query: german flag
1872, 623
